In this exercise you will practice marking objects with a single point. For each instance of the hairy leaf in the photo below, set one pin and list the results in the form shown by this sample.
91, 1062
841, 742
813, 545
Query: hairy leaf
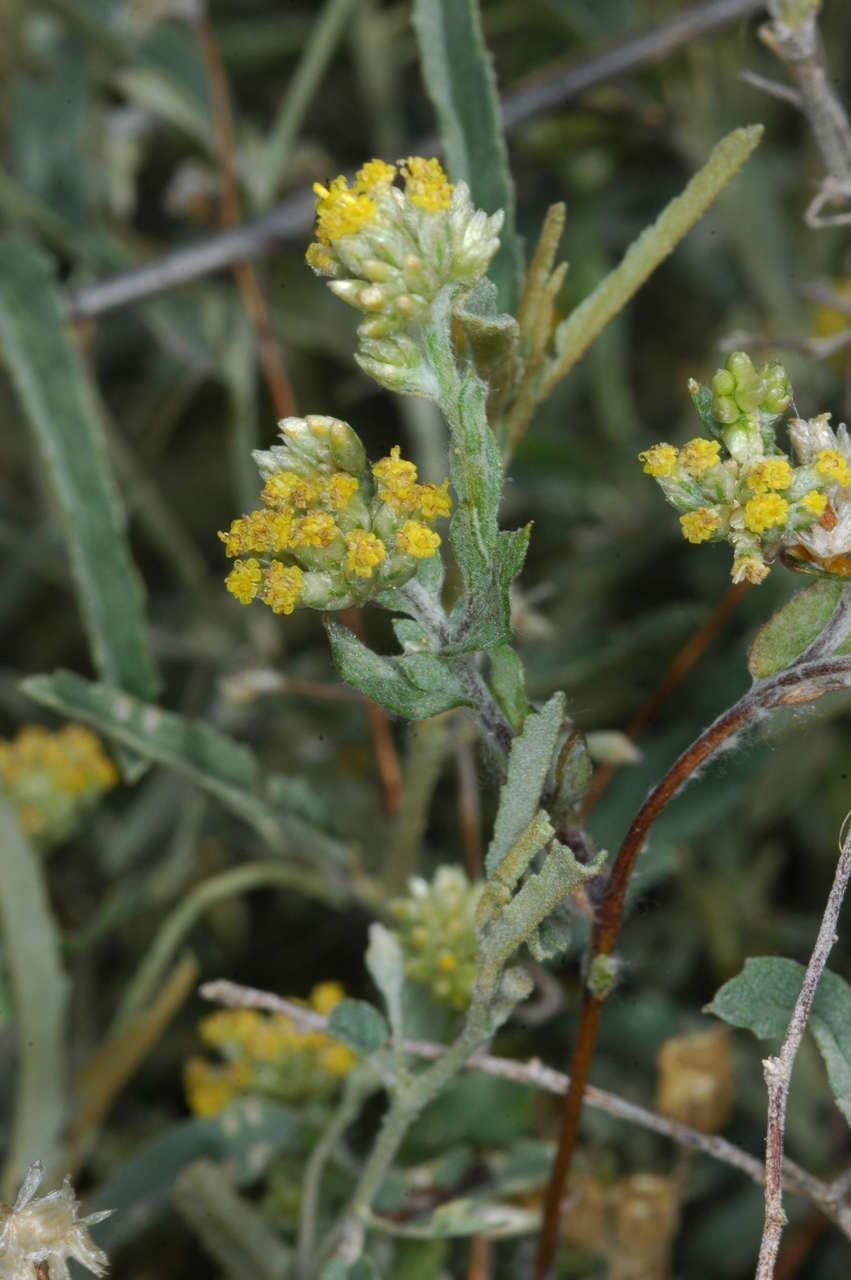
528, 766
459, 76
789, 631
416, 686
762, 998
358, 1025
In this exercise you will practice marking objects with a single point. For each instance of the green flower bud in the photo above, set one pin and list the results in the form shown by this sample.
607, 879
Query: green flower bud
437, 934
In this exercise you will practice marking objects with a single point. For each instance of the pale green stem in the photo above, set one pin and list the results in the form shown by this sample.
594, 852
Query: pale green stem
229, 1227
357, 1088
575, 334
312, 66
253, 875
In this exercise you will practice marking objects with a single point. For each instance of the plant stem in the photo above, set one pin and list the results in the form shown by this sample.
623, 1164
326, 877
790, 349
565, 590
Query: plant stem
802, 682
778, 1071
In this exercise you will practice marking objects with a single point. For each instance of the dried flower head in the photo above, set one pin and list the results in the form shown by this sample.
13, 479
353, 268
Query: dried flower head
46, 1230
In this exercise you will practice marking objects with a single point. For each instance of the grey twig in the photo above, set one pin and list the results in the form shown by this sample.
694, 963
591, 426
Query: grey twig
536, 1075
778, 1071
772, 87
292, 219
817, 348
793, 36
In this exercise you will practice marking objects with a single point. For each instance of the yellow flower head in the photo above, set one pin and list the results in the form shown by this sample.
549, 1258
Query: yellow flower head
340, 489
415, 539
364, 553
832, 466
699, 525
396, 480
698, 455
284, 490
814, 502
263, 531
282, 586
434, 500
341, 211
660, 460
749, 569
337, 1060
325, 996
317, 529
209, 1089
765, 511
374, 176
769, 474
244, 580
426, 185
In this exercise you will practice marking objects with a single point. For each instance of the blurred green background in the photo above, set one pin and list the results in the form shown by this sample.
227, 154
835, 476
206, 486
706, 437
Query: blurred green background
107, 160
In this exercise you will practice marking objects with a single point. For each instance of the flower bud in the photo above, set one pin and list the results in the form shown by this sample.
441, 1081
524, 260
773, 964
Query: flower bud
437, 934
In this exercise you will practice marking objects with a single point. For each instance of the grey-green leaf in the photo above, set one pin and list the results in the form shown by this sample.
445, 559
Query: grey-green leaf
762, 998
416, 686
459, 77
359, 1026
528, 766
39, 992
789, 631
224, 768
60, 410
508, 682
386, 964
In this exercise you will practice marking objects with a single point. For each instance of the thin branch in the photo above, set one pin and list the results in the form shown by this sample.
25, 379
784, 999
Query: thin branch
816, 348
778, 1071
801, 682
772, 87
291, 220
535, 1075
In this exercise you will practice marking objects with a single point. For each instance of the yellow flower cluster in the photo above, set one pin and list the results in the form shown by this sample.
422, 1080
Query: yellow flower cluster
342, 210
264, 1053
426, 185
54, 779
741, 488
328, 537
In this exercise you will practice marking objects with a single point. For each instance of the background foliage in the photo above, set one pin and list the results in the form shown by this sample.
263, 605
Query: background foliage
107, 157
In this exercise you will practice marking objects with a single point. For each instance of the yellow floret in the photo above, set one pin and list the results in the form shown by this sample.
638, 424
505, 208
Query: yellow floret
770, 473
209, 1089
414, 539
284, 489
337, 1060
325, 996
365, 553
447, 962
749, 569
317, 529
699, 526
426, 185
268, 531
832, 466
375, 175
814, 502
319, 259
244, 580
282, 586
434, 501
396, 480
340, 490
660, 460
765, 511
235, 1027
699, 455
341, 211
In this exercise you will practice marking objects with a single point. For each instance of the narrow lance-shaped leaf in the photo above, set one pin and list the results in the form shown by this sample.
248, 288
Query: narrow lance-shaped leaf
459, 77
224, 768
59, 407
528, 766
762, 998
31, 950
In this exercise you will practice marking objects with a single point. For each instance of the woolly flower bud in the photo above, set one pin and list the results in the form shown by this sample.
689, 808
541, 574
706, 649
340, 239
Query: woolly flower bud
390, 251
332, 533
730, 488
46, 1231
54, 779
696, 1079
265, 1054
437, 934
